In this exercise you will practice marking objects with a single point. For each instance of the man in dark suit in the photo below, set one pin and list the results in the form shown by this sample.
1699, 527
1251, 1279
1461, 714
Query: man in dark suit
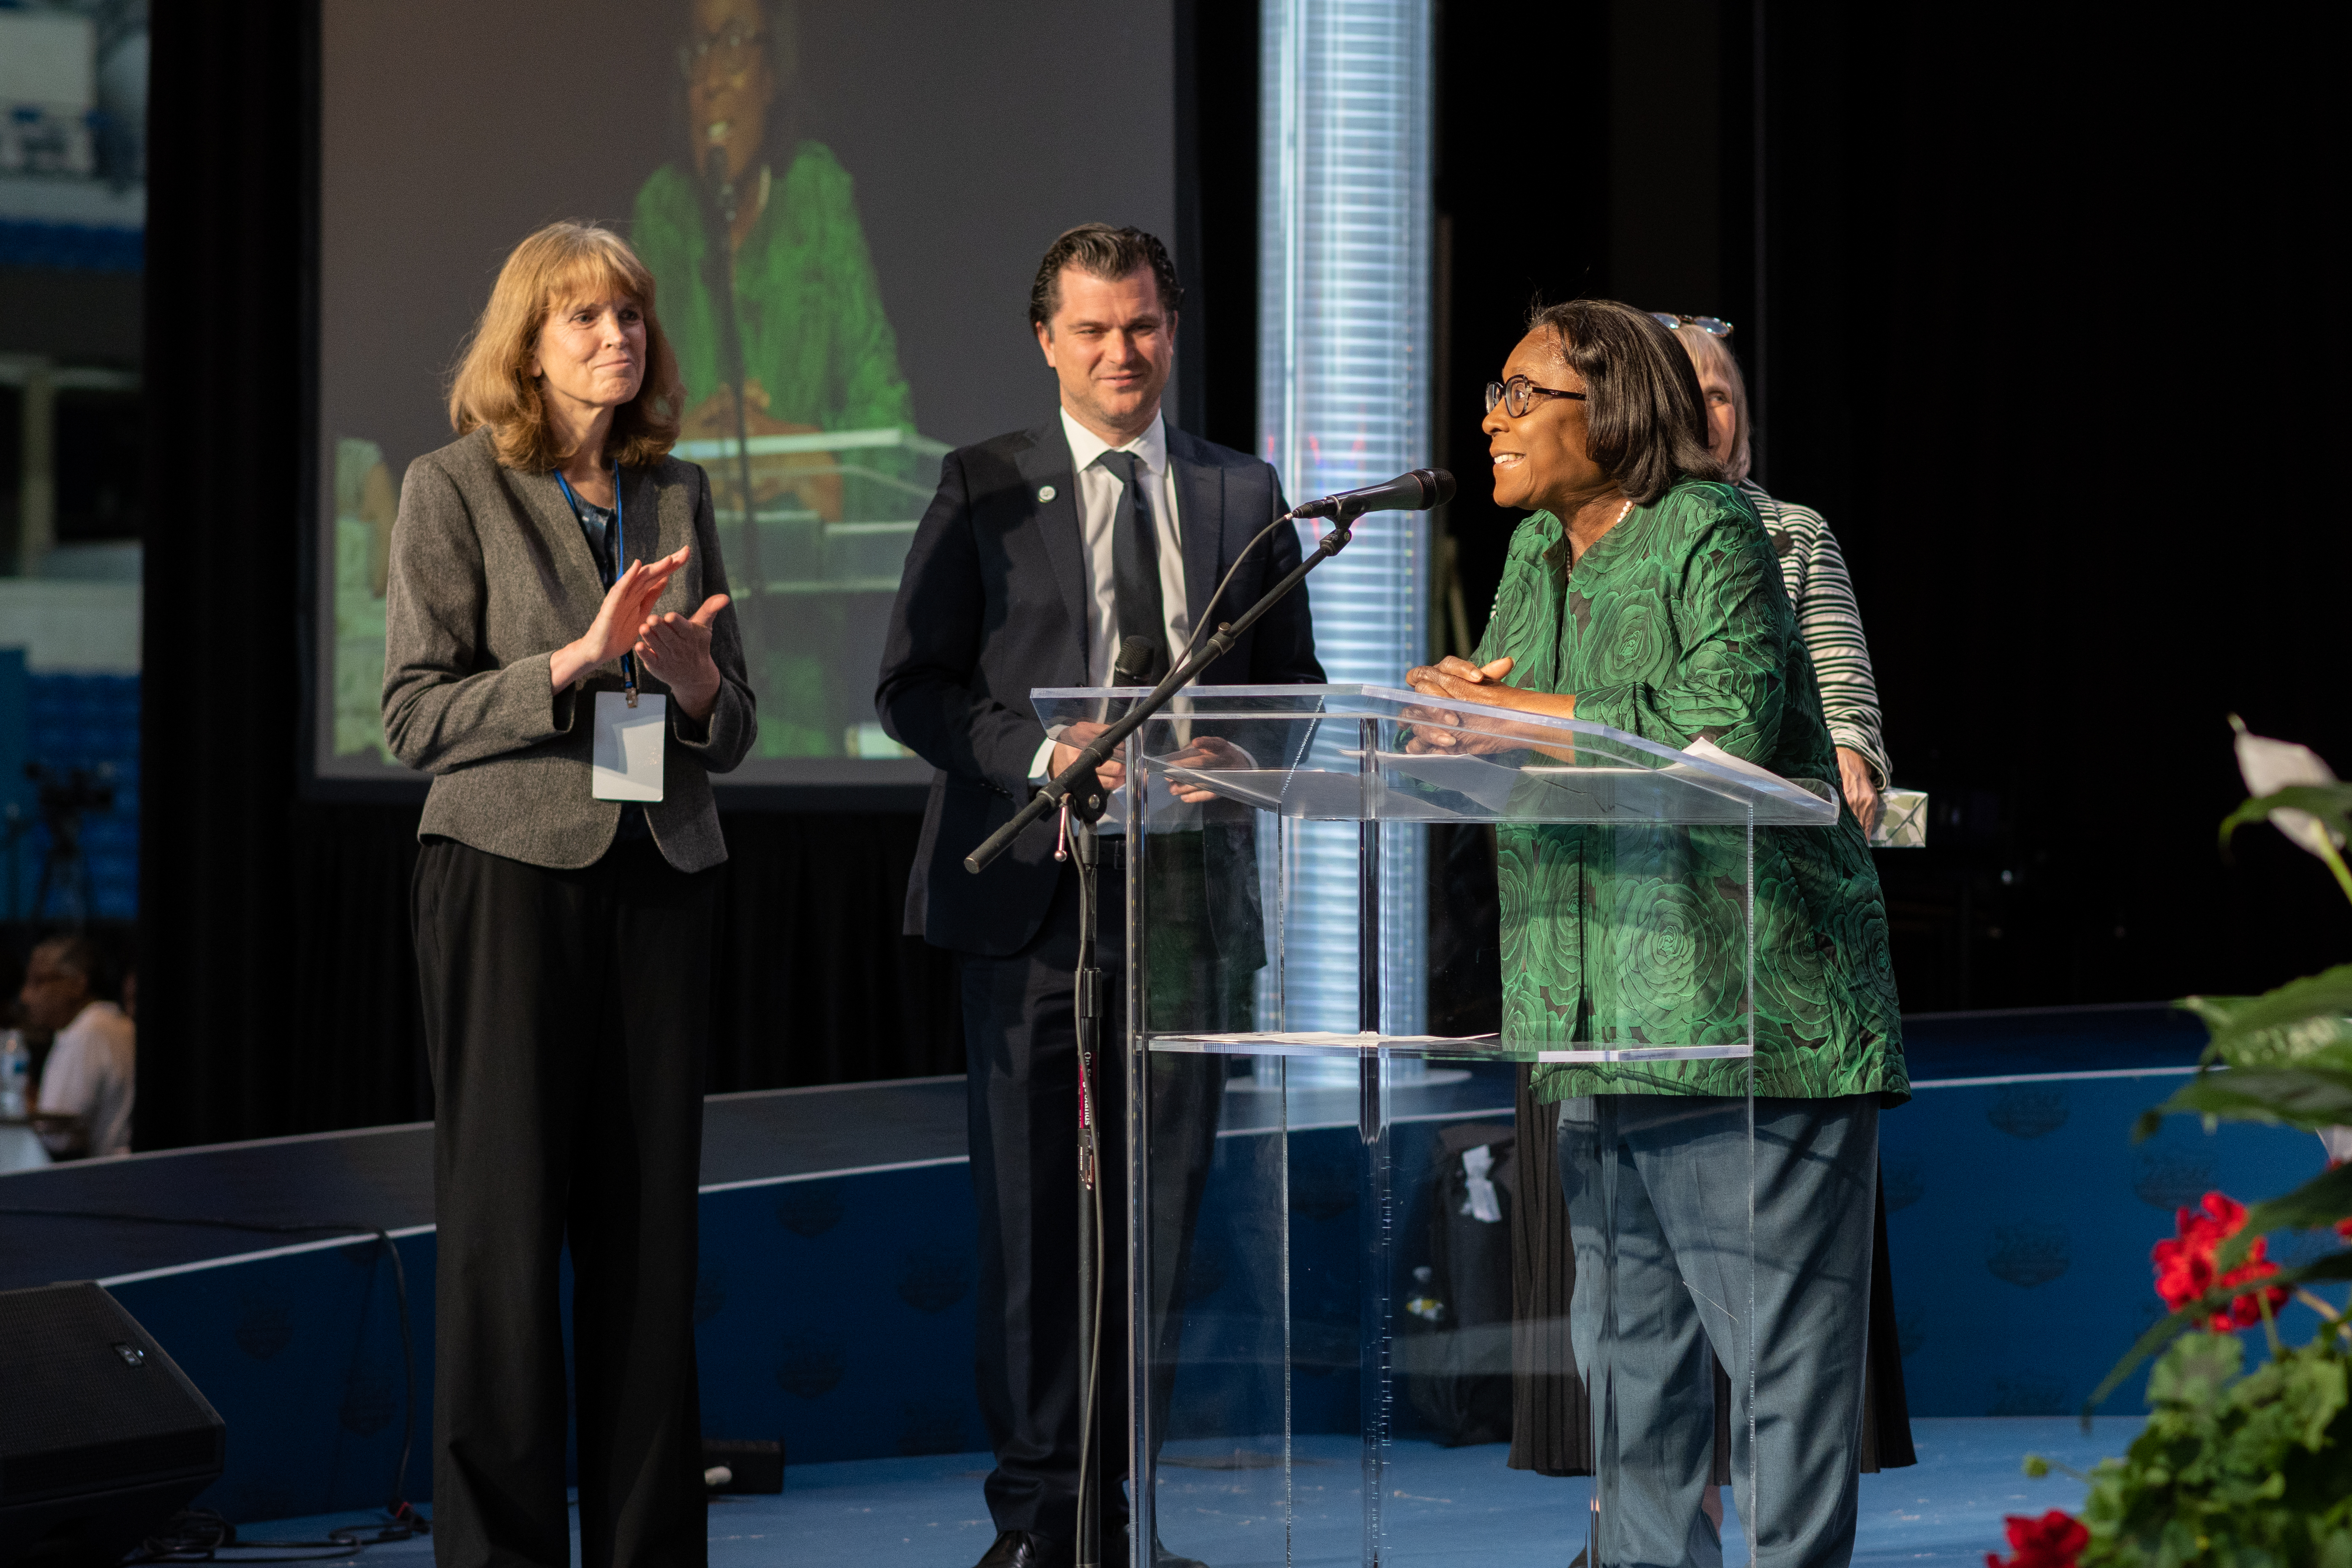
1043, 552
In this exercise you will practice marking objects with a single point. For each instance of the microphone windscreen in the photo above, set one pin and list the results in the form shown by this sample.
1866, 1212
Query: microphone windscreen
1133, 664
1439, 484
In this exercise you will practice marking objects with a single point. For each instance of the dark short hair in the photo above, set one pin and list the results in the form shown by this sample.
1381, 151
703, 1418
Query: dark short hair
1645, 419
86, 958
1099, 250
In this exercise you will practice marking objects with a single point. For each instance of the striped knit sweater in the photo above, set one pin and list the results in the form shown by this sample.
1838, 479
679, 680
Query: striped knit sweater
1828, 619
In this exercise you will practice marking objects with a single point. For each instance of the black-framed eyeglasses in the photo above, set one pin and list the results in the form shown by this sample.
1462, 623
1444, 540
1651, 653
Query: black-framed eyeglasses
1518, 395
1714, 327
735, 48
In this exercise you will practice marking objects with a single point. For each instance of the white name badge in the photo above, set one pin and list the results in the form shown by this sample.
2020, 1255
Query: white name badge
626, 760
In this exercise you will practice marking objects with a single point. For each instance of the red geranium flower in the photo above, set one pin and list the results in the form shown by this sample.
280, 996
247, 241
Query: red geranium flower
2184, 1264
2054, 1541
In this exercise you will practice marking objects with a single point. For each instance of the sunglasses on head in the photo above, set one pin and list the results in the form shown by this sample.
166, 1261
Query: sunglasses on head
1712, 326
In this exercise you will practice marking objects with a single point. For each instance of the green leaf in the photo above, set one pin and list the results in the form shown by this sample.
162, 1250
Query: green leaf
2321, 1201
2331, 803
2233, 1019
2309, 1095
2164, 1331
2194, 1372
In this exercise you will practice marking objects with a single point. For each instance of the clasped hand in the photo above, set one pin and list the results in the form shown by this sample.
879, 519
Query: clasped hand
1440, 730
1205, 751
674, 649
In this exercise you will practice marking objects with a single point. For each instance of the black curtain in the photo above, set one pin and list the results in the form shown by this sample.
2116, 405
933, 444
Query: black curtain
2033, 325
2033, 334
278, 985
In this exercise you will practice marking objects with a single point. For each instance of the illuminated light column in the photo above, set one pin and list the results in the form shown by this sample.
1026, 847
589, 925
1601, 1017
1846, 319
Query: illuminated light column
1343, 402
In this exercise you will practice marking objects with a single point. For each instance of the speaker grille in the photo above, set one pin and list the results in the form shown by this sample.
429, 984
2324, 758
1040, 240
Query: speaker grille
79, 1413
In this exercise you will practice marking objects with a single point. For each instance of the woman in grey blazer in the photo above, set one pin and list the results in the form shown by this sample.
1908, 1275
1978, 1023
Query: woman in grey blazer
569, 709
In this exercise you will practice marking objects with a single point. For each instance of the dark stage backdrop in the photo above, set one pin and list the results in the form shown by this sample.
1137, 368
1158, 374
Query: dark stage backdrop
2034, 313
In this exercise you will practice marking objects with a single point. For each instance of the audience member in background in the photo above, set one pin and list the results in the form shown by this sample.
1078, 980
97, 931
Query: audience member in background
563, 937
1811, 564
88, 1082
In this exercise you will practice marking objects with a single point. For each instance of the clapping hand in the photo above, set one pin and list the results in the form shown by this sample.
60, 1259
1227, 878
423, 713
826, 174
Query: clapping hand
618, 619
677, 649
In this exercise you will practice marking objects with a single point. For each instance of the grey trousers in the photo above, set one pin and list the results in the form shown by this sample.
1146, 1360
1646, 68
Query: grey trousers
1658, 1189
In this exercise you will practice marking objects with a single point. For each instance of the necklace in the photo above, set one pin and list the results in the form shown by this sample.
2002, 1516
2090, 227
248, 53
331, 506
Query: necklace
1575, 554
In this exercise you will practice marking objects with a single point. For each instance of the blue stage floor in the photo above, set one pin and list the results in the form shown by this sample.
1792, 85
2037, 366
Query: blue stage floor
1454, 1508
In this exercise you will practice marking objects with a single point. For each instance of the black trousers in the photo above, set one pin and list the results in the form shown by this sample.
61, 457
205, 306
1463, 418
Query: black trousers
564, 1014
1021, 1066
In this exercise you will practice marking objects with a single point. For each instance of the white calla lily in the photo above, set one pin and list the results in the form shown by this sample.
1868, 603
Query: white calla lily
2269, 766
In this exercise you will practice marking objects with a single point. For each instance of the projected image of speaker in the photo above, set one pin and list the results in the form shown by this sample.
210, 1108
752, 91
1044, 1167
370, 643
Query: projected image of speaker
102, 1436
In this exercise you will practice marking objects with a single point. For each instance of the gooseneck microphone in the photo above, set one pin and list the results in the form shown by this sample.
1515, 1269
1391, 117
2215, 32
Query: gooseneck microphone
1416, 492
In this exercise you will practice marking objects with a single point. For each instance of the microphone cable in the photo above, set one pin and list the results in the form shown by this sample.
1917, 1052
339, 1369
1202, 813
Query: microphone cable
1201, 628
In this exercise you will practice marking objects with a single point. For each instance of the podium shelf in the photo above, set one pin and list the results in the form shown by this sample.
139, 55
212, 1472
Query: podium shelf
1475, 1047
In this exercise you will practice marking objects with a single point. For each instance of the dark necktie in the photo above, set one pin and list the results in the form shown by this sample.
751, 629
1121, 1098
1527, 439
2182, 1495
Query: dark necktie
1135, 563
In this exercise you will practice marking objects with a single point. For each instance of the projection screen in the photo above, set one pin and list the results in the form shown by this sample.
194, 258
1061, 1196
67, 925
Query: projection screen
895, 168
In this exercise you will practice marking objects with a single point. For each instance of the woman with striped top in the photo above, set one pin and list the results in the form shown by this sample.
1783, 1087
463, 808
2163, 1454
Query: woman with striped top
1811, 566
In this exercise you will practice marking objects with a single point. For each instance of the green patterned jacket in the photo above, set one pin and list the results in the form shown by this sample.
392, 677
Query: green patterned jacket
809, 309
1675, 626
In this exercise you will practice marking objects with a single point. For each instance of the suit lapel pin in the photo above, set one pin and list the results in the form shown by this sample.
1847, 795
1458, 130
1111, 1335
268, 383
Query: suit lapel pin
1045, 494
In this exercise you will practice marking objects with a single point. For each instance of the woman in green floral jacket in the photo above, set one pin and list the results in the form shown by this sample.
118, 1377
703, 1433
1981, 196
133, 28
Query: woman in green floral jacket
1644, 594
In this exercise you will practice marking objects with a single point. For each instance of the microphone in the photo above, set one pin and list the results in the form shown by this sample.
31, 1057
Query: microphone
1416, 492
1133, 664
721, 188
1132, 668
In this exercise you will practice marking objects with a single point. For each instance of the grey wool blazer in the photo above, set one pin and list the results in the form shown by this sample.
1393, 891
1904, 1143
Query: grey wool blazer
491, 574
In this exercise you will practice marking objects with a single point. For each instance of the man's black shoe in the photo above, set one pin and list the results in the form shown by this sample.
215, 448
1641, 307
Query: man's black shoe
1019, 1548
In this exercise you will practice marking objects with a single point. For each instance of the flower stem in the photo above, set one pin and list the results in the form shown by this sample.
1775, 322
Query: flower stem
2316, 1304
2335, 864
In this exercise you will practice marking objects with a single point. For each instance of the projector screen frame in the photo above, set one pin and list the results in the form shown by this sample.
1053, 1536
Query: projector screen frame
825, 784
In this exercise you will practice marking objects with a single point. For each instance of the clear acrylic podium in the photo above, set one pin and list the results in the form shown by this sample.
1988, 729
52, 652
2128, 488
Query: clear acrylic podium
1287, 846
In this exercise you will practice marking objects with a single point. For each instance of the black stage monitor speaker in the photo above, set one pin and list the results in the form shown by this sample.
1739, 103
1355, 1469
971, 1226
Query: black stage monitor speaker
101, 1437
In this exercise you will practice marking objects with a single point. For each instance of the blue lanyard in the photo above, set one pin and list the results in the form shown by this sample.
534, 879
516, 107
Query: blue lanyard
608, 571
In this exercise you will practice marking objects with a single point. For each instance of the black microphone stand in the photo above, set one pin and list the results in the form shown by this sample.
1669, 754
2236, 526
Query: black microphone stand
1085, 845
1078, 795
1059, 789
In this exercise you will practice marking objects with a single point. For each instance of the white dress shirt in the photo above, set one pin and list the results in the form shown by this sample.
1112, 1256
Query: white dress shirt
1097, 500
90, 1074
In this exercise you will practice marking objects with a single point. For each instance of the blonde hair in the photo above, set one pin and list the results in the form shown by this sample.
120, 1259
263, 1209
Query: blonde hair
1708, 353
493, 384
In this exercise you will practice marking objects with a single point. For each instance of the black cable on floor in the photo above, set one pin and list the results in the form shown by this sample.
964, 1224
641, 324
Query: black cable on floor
200, 1535
405, 1522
